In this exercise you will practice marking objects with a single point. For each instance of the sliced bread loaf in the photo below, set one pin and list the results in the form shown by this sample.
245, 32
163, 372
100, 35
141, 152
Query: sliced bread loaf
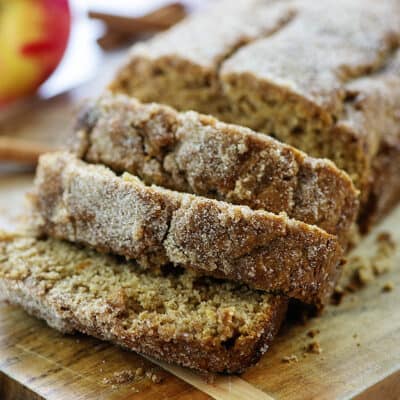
197, 154
89, 204
326, 81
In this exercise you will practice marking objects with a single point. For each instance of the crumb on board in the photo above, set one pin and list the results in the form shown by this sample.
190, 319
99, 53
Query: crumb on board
361, 271
120, 377
131, 376
381, 264
314, 348
382, 261
290, 359
153, 377
364, 272
337, 296
313, 332
156, 378
388, 287
386, 238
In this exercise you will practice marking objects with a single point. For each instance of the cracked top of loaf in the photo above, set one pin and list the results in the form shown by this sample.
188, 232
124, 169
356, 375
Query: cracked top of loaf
285, 68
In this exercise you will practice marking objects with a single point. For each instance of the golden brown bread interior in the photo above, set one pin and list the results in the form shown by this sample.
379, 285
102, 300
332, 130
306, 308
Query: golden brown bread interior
89, 204
193, 153
326, 82
170, 314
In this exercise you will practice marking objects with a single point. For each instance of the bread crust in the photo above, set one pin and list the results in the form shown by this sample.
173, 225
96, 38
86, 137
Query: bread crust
76, 289
194, 69
197, 154
89, 204
308, 96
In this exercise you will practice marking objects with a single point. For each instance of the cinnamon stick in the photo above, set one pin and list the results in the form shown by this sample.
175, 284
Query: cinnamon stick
112, 40
157, 20
21, 150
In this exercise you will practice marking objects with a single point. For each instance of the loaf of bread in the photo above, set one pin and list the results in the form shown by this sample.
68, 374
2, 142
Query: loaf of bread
89, 204
325, 80
197, 154
167, 313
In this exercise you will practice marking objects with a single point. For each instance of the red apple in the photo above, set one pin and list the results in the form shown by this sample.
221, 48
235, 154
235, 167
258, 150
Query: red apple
33, 38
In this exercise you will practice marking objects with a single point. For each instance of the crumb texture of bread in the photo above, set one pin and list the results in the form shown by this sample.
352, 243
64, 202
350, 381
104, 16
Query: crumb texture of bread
173, 315
197, 154
89, 204
326, 82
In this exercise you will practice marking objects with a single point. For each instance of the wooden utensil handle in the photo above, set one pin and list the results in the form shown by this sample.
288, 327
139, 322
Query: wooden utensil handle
21, 150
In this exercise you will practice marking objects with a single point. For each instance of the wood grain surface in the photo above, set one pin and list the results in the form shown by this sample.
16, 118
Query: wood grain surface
360, 342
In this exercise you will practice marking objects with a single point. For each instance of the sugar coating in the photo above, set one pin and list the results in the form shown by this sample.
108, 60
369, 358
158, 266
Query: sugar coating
198, 154
174, 315
326, 82
89, 204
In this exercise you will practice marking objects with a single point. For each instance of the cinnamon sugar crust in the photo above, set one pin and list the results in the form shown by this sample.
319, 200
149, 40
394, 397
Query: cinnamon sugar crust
198, 154
325, 82
89, 204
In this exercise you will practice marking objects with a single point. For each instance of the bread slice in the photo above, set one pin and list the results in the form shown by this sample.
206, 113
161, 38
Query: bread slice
299, 84
89, 204
197, 154
170, 314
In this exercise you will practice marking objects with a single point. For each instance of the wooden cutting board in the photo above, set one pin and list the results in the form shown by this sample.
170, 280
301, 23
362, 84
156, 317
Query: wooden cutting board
360, 342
